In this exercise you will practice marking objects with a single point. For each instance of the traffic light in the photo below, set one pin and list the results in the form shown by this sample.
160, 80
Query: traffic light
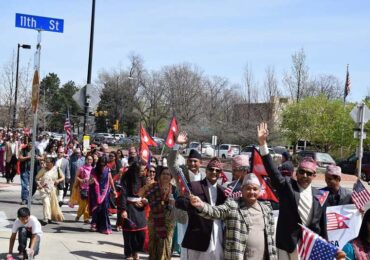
116, 125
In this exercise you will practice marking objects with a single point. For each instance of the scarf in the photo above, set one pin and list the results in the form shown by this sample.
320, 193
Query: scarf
158, 201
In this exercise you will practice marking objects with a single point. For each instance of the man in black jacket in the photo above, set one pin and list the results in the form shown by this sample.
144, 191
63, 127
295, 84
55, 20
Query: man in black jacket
203, 237
299, 201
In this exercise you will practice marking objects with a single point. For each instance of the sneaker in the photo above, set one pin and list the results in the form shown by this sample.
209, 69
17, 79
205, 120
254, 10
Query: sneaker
43, 223
24, 202
77, 218
61, 203
86, 221
51, 222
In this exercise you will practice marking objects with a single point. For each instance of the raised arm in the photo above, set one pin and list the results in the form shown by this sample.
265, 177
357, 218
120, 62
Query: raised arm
172, 156
277, 179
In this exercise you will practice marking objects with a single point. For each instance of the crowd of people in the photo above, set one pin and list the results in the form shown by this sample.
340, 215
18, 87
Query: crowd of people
197, 216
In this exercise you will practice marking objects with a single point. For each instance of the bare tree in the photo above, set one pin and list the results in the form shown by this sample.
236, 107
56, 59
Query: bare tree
327, 85
271, 88
185, 89
251, 87
7, 89
296, 81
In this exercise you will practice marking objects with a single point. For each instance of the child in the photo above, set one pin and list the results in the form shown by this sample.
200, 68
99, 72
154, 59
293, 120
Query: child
27, 226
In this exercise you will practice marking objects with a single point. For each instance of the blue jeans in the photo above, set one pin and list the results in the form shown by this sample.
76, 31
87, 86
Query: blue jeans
23, 234
25, 183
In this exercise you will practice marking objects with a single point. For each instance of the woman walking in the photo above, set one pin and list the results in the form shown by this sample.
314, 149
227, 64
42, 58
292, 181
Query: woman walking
161, 222
47, 179
100, 184
80, 190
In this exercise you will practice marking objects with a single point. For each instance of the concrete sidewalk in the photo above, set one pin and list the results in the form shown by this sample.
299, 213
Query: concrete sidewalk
73, 246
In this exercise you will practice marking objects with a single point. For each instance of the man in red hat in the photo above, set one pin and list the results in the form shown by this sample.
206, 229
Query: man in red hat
203, 237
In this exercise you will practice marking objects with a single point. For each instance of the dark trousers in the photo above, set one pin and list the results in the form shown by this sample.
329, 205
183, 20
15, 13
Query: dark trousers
23, 234
11, 169
133, 242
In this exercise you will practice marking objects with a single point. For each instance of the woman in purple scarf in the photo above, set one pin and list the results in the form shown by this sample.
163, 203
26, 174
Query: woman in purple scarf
101, 183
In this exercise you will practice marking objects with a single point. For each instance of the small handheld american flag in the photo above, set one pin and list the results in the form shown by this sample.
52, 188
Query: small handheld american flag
360, 195
68, 130
312, 246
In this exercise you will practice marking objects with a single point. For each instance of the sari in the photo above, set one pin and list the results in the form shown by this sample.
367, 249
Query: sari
99, 201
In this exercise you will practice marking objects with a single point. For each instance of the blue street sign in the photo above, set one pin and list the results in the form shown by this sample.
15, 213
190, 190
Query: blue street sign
39, 23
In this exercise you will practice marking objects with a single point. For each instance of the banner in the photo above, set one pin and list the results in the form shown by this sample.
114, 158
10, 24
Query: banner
343, 223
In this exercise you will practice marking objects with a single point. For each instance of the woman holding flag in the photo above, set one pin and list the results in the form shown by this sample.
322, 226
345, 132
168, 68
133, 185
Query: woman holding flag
161, 223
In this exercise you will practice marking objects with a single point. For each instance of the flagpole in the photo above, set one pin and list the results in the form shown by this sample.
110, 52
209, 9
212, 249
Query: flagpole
344, 106
34, 126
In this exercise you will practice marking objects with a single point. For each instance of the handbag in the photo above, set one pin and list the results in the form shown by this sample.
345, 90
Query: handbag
84, 194
60, 185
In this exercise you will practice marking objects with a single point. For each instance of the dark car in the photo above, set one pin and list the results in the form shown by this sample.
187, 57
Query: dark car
350, 165
322, 159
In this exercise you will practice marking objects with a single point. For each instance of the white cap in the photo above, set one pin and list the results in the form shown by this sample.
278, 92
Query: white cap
251, 178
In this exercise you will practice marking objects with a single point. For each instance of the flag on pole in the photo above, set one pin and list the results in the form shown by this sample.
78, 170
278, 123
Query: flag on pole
146, 138
360, 195
311, 246
259, 169
144, 151
347, 86
172, 131
183, 185
35, 91
68, 130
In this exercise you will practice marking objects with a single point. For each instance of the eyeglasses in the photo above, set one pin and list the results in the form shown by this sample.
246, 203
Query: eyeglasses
152, 171
214, 170
302, 172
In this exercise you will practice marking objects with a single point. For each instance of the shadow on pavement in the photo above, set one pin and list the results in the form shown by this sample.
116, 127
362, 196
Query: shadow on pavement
61, 229
110, 243
95, 255
11, 202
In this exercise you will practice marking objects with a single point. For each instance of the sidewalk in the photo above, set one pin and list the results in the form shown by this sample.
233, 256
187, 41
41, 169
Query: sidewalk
73, 246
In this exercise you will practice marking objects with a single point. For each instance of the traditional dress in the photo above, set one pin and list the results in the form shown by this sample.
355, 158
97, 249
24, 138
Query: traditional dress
51, 209
80, 192
99, 201
134, 226
161, 221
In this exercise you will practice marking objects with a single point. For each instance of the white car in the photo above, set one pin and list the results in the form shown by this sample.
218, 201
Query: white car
228, 150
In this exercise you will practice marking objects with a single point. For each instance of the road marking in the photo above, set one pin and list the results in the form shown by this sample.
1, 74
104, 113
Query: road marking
5, 224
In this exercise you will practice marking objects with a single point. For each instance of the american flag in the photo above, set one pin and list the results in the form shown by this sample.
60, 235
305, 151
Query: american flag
322, 196
347, 86
68, 130
360, 195
229, 191
312, 246
336, 221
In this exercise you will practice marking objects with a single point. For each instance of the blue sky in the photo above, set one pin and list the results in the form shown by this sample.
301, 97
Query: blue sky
220, 37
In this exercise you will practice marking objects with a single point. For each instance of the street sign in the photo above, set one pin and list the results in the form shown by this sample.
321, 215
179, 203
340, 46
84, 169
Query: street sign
39, 23
356, 115
93, 94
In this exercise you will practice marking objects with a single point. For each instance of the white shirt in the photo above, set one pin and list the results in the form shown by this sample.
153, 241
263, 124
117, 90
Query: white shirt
33, 225
305, 204
196, 177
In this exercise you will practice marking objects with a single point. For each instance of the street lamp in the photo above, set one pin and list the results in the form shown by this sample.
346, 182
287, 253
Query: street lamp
24, 46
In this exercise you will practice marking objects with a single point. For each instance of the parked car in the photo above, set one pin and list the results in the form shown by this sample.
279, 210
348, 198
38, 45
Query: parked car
228, 150
322, 159
350, 165
159, 141
110, 140
119, 136
98, 139
125, 141
192, 146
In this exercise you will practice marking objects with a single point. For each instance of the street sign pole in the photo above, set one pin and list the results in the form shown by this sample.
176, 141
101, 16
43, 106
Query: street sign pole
34, 126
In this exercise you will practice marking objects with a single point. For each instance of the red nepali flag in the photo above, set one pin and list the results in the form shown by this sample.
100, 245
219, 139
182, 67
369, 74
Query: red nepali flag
170, 140
146, 138
259, 169
144, 151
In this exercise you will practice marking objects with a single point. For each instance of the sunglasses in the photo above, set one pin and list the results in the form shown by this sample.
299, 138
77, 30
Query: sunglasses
214, 170
309, 174
152, 171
